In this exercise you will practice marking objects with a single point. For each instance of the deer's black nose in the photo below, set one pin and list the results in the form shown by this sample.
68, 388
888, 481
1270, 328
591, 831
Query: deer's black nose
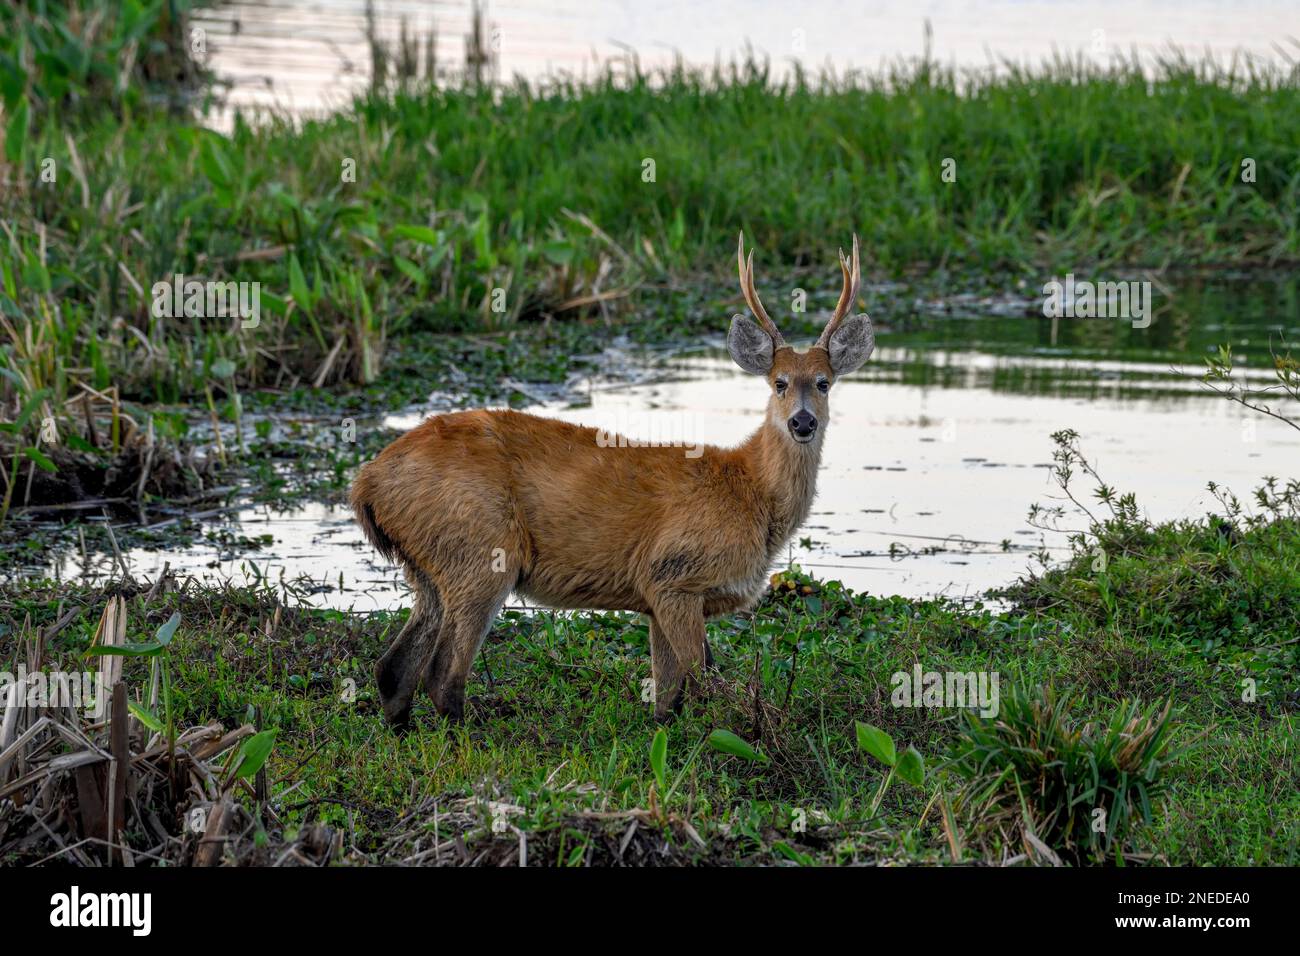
802, 424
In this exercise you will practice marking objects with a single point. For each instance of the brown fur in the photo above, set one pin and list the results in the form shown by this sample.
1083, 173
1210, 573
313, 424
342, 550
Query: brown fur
477, 504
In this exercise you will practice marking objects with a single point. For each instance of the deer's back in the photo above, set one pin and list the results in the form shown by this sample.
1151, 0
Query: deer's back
589, 525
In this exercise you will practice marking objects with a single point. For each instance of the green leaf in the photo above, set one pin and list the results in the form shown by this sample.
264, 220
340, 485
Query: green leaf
482, 242
164, 635
42, 460
790, 853
35, 274
298, 284
285, 198
16, 133
222, 368
145, 716
216, 165
77, 443
659, 757
10, 286
13, 80
29, 409
274, 303
145, 649
424, 234
99, 365
728, 743
911, 767
253, 753
558, 253
410, 270
877, 743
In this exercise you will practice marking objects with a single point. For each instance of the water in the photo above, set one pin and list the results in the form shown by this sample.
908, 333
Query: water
307, 56
938, 447
934, 453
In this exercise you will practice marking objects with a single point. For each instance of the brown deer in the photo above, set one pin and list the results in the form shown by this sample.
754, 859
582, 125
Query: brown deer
476, 504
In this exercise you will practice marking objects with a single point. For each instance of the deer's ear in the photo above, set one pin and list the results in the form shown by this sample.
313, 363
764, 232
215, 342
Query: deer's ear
851, 344
749, 345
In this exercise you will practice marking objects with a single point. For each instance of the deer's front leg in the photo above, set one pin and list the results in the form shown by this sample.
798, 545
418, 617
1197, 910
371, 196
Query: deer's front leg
677, 648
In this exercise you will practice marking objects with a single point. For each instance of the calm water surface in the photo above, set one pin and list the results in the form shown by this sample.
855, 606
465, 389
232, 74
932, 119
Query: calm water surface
934, 453
308, 56
937, 448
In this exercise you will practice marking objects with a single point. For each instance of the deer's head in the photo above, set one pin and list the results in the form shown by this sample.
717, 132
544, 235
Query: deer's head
800, 381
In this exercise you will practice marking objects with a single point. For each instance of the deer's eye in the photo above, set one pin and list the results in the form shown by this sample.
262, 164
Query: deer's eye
781, 386
823, 386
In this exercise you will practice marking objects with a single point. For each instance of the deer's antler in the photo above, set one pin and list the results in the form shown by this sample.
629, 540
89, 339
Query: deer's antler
852, 278
751, 296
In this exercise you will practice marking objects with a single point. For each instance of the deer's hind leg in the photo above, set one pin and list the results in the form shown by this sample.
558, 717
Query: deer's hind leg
469, 609
399, 669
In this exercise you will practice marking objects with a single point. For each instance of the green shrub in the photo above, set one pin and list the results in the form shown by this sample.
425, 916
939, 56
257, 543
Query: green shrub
1074, 790
78, 58
1229, 580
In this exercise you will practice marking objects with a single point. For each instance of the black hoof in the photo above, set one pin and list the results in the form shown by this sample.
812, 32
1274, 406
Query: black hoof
400, 723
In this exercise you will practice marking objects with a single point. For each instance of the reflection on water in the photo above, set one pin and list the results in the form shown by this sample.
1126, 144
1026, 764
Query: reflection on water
924, 485
934, 453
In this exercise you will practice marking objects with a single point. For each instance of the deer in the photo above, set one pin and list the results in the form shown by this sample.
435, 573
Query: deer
477, 504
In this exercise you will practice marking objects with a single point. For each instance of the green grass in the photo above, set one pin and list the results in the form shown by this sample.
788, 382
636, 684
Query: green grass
1227, 585
540, 191
557, 729
1148, 682
376, 286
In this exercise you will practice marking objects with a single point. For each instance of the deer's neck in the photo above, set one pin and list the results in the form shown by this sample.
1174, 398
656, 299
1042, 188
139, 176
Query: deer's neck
786, 472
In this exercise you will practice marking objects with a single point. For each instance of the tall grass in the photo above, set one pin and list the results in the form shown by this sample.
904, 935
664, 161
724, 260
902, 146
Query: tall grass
74, 59
1068, 789
476, 208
